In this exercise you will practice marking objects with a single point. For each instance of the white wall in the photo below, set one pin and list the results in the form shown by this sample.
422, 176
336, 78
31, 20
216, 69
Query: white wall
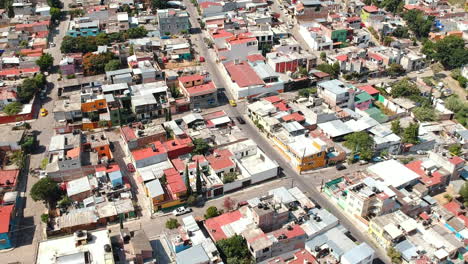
151, 160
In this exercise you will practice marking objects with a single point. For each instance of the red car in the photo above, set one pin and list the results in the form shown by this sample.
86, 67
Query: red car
130, 167
202, 59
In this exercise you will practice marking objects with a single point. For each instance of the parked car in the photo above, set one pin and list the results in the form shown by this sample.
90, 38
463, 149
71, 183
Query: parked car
233, 103
421, 152
243, 203
340, 167
363, 162
181, 211
42, 174
44, 112
130, 167
196, 110
240, 120
19, 124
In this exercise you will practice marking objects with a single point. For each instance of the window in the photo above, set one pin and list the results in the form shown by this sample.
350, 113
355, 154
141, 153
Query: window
265, 250
319, 154
102, 148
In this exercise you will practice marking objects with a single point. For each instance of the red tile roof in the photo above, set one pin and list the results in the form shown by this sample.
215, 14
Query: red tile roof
321, 74
191, 78
424, 216
243, 74
369, 89
13, 72
370, 9
294, 232
273, 99
7, 94
40, 23
294, 116
208, 4
434, 179
207, 88
214, 225
8, 178
215, 114
175, 183
303, 256
178, 164
343, 57
255, 57
376, 57
353, 19
176, 144
222, 34
456, 160
128, 133
74, 152
282, 106
454, 208
145, 153
241, 38
5, 217
220, 160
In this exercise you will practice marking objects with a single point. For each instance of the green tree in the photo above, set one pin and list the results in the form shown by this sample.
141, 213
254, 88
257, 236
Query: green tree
362, 143
395, 69
449, 51
79, 44
455, 149
198, 182
65, 202
27, 144
410, 134
454, 103
17, 158
394, 255
200, 147
401, 32
28, 89
418, 22
234, 250
102, 39
424, 114
187, 182
159, 4
46, 190
396, 127
55, 14
172, 223
464, 192
112, 65
55, 3
323, 56
45, 218
211, 212
138, 32
332, 69
191, 200
229, 177
45, 62
13, 108
404, 88
393, 6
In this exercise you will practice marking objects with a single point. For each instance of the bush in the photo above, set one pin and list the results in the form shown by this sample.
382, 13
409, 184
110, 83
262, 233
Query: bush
229, 177
70, 76
13, 108
172, 223
191, 200
212, 211
448, 197
45, 218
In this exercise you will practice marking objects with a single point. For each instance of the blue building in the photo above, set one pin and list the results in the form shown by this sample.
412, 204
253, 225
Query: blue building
7, 221
84, 27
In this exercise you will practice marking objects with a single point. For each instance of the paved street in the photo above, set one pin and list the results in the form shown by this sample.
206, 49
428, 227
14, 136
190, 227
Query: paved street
250, 130
29, 229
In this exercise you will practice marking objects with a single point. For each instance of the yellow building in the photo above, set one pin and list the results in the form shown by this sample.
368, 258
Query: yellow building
390, 229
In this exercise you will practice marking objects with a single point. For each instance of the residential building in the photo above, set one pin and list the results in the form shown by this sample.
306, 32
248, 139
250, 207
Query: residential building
290, 61
314, 37
173, 21
390, 229
83, 27
149, 100
7, 225
336, 93
238, 47
201, 93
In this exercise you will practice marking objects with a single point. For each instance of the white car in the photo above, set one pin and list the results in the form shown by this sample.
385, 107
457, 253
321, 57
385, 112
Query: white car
181, 211
42, 174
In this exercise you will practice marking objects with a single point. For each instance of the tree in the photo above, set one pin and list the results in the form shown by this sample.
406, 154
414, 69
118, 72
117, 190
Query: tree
410, 134
396, 127
138, 32
323, 56
332, 69
464, 192
13, 108
395, 69
55, 14
54, 3
394, 255
80, 44
158, 4
45, 218
305, 92
211, 212
76, 13
362, 143
187, 182
45, 62
65, 202
393, 6
45, 190
198, 182
418, 22
27, 144
449, 51
172, 223
191, 200
234, 250
131, 50
229, 177
404, 88
95, 63
17, 158
387, 40
112, 65
27, 89
229, 203
401, 32
425, 114
200, 147
455, 149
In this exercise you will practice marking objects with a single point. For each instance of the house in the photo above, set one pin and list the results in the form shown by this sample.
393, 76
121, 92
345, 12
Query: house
150, 155
7, 224
314, 37
201, 93
193, 255
77, 248
7, 96
83, 27
238, 47
336, 93
372, 12
79, 189
307, 10
8, 179
290, 61
10, 139
138, 135
149, 99
361, 254
388, 230
173, 21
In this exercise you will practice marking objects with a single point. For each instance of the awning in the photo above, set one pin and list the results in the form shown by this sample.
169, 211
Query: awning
221, 120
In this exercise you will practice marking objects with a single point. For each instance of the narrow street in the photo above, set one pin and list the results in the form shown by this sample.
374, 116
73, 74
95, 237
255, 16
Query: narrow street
251, 131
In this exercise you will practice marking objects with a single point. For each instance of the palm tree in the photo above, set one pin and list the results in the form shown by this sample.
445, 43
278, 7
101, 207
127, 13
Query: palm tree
17, 158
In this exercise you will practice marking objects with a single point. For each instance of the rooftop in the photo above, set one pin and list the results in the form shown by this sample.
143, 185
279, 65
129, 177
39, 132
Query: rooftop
393, 173
5, 216
243, 74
